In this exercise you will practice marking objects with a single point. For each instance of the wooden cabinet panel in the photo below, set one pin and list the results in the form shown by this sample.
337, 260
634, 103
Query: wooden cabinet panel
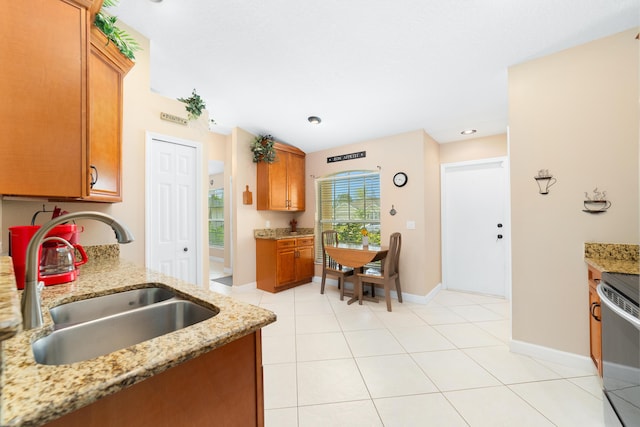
285, 267
285, 263
107, 68
44, 98
281, 184
296, 182
62, 102
223, 387
595, 325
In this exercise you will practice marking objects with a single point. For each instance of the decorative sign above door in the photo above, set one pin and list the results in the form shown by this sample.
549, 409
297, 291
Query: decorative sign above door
350, 156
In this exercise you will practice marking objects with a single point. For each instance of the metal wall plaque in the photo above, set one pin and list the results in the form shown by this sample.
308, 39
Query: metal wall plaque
174, 119
350, 156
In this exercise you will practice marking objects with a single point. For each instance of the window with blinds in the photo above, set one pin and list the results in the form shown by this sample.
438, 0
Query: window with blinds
216, 217
349, 202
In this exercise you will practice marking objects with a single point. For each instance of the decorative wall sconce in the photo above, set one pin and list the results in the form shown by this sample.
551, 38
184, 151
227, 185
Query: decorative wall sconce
392, 211
544, 180
597, 202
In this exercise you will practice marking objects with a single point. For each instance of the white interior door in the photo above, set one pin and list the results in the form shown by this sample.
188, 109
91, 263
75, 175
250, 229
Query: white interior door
475, 228
173, 201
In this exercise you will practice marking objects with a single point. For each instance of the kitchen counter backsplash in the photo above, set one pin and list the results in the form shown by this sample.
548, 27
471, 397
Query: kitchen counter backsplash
281, 233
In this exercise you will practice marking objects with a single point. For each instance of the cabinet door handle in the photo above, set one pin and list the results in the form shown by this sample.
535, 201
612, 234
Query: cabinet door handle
94, 176
594, 305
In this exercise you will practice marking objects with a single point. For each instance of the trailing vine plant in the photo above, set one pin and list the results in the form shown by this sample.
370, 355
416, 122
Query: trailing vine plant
263, 150
195, 105
106, 23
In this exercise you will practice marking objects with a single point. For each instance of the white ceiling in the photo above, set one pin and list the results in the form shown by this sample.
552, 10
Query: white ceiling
368, 68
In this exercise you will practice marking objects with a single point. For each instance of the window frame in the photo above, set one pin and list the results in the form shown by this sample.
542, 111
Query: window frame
365, 204
220, 220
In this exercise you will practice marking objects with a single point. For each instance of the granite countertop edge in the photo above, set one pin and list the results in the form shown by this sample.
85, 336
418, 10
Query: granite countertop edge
289, 236
32, 394
613, 257
611, 265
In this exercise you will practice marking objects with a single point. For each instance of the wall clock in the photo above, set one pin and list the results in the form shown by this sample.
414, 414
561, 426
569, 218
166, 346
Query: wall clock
400, 179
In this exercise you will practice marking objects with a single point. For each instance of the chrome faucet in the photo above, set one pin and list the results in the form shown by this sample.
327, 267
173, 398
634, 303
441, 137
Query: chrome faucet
30, 302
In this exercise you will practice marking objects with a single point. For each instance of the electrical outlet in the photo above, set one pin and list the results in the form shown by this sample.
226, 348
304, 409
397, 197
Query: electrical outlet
411, 225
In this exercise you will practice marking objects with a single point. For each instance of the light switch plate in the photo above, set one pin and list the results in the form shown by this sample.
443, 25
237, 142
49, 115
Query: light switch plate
411, 225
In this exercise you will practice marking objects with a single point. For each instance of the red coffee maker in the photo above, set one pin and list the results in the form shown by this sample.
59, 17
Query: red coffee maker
56, 259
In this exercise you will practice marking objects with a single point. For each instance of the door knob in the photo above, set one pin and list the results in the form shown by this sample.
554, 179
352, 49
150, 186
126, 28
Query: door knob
186, 249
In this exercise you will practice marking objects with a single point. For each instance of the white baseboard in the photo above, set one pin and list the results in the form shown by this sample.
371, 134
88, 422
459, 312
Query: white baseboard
246, 287
417, 299
552, 355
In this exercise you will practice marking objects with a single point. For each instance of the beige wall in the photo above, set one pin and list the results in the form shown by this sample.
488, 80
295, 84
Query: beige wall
474, 149
416, 154
141, 113
576, 114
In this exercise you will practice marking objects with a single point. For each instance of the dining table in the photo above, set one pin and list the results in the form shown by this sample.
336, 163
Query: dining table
356, 256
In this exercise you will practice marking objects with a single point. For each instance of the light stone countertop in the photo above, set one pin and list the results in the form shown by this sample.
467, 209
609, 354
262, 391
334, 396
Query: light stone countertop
282, 233
34, 394
613, 257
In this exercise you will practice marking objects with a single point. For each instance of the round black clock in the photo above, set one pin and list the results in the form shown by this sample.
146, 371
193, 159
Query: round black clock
400, 179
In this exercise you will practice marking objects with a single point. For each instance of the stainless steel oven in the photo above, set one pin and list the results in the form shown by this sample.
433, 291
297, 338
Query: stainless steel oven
620, 294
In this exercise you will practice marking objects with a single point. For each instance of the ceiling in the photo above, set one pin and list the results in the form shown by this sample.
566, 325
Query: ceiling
368, 68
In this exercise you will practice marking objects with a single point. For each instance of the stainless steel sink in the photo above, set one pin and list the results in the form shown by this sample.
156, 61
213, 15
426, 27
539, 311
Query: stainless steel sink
106, 305
97, 337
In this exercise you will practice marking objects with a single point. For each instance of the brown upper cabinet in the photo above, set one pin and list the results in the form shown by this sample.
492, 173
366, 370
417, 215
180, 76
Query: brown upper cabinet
62, 103
107, 68
281, 184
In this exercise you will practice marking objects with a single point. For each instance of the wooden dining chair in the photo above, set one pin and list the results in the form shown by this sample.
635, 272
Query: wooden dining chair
329, 266
388, 275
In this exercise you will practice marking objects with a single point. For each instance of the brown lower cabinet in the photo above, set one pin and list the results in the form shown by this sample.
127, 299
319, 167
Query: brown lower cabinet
595, 327
220, 388
284, 263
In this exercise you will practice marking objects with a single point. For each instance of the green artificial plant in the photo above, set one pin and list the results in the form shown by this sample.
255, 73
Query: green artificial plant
195, 105
106, 23
263, 150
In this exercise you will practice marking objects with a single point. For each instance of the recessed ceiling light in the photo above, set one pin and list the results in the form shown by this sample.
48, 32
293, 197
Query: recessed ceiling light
468, 132
314, 120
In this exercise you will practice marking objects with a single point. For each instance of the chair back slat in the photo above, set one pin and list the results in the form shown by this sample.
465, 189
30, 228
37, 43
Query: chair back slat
329, 237
392, 260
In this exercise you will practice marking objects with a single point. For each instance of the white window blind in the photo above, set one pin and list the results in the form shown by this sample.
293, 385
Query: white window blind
348, 202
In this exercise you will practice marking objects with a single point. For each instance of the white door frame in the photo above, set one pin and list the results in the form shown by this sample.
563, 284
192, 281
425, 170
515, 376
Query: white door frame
149, 136
507, 215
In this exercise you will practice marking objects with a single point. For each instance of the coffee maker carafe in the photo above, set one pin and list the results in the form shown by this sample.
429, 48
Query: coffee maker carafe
57, 261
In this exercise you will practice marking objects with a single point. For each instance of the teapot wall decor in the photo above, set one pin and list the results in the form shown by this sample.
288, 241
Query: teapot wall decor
544, 180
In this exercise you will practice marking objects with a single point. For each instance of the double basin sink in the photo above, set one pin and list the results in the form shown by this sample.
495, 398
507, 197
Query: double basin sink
98, 326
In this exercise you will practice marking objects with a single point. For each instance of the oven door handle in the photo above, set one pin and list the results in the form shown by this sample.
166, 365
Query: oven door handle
617, 310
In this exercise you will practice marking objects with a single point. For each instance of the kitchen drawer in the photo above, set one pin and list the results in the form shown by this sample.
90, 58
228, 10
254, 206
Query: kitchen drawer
304, 241
286, 243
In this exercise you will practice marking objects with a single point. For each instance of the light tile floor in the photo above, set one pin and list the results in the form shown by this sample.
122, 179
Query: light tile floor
216, 269
446, 363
